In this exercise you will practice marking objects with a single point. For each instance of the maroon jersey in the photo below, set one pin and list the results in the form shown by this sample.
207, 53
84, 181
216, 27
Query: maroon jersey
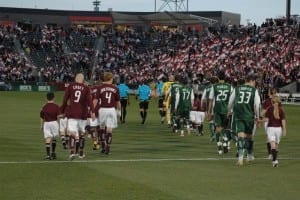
107, 95
197, 106
49, 112
272, 122
78, 98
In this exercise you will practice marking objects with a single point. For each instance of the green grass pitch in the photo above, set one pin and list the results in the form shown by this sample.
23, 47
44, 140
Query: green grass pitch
147, 161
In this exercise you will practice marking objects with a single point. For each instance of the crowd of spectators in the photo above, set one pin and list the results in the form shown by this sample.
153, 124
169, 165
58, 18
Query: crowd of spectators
272, 51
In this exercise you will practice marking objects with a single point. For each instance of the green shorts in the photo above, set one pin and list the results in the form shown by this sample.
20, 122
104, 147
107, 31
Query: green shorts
220, 120
245, 126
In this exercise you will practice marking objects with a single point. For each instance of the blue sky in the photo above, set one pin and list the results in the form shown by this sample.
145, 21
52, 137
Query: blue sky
254, 10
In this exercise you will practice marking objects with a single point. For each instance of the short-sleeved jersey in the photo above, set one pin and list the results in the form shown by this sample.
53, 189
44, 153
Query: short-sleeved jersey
49, 112
123, 90
186, 99
107, 95
272, 121
220, 93
166, 87
244, 102
174, 88
144, 92
78, 98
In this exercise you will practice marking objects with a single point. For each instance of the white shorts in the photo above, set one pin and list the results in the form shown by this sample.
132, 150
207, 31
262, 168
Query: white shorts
50, 129
63, 125
76, 126
197, 117
92, 123
274, 134
108, 117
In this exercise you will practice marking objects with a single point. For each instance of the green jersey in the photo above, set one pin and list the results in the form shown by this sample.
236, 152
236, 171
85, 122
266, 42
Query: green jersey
175, 87
220, 94
184, 99
245, 102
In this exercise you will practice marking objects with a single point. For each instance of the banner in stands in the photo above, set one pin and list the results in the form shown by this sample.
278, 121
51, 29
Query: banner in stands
34, 88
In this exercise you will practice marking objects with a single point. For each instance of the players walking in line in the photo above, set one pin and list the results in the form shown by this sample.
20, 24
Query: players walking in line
205, 104
218, 102
275, 118
183, 104
77, 96
108, 98
245, 102
143, 93
49, 116
124, 95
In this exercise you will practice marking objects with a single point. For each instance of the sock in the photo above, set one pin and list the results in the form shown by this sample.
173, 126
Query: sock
269, 148
47, 146
142, 114
71, 144
63, 140
161, 113
241, 147
249, 145
124, 114
53, 144
108, 141
212, 129
101, 137
274, 154
67, 139
145, 115
81, 145
76, 146
200, 128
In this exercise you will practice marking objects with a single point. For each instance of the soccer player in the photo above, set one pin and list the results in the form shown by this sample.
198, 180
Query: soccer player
144, 93
49, 124
265, 105
197, 114
78, 97
205, 104
245, 102
165, 90
173, 90
183, 104
161, 106
275, 118
218, 102
124, 95
108, 98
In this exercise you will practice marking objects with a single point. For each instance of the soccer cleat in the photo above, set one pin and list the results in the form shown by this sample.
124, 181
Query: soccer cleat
48, 158
275, 163
81, 156
72, 156
53, 156
103, 151
240, 162
250, 158
220, 152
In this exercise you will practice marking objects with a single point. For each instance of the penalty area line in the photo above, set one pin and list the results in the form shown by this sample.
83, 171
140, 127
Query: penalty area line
127, 160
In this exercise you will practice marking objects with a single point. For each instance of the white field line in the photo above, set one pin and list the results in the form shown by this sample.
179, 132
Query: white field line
127, 160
